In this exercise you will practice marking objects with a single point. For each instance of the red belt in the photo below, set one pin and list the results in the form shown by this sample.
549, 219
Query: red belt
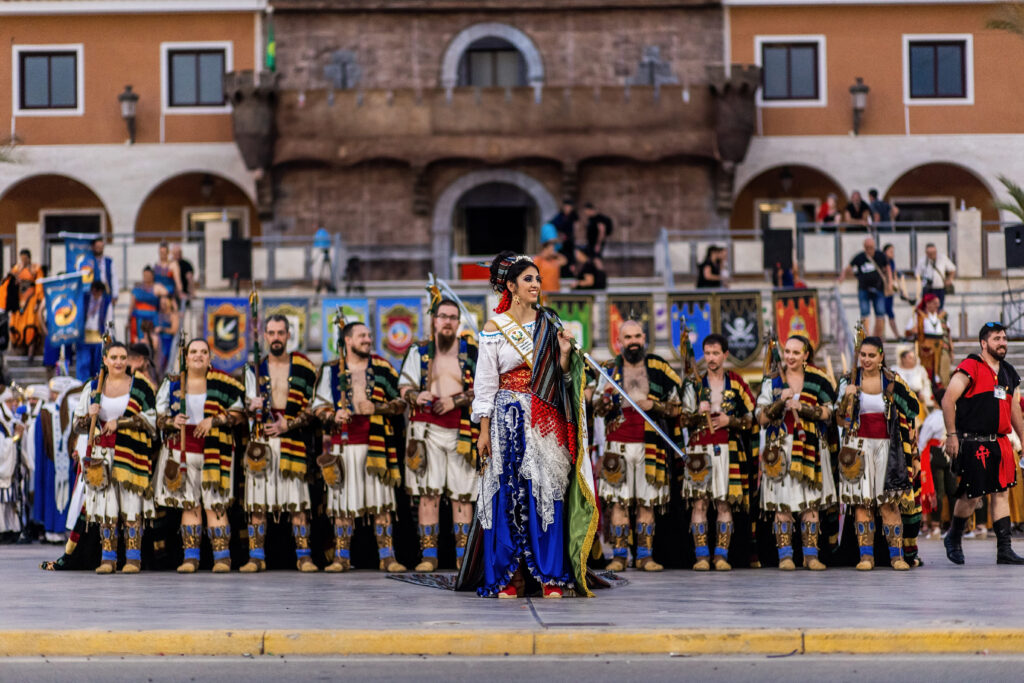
873, 426
106, 440
358, 430
193, 443
516, 380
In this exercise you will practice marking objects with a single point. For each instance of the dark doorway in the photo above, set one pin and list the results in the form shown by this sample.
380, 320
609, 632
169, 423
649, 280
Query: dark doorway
493, 230
56, 223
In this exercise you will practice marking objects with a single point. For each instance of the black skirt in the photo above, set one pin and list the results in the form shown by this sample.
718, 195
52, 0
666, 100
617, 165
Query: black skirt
977, 466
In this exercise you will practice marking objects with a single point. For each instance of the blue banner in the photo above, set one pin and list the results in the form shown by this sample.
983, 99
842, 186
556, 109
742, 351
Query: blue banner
226, 329
78, 255
398, 326
695, 311
352, 309
65, 314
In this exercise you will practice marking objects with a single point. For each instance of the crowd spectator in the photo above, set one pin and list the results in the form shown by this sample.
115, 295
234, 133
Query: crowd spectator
22, 298
590, 274
140, 359
565, 223
890, 288
828, 213
599, 229
145, 308
89, 354
549, 261
916, 377
882, 212
871, 268
711, 271
104, 270
166, 271
936, 272
186, 273
167, 326
857, 212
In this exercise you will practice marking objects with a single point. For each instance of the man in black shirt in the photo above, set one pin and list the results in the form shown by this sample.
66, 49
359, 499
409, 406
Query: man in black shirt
872, 272
599, 229
857, 211
882, 212
187, 273
565, 222
591, 274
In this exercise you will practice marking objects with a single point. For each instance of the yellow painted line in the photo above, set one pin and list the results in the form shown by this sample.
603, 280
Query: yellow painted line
912, 641
82, 643
398, 642
665, 641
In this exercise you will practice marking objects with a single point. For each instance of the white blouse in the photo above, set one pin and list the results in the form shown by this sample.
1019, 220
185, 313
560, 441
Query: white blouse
496, 357
113, 408
871, 403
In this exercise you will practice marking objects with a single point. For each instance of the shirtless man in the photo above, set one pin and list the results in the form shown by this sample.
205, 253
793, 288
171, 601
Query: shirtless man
437, 383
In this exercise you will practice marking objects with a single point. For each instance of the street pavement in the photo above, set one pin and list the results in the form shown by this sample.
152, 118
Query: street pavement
650, 669
939, 595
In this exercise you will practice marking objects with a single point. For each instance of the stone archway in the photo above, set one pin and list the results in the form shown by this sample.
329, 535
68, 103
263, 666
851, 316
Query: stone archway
444, 208
471, 34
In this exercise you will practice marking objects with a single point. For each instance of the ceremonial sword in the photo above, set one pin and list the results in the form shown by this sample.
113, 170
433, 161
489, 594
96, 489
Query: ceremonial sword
554, 320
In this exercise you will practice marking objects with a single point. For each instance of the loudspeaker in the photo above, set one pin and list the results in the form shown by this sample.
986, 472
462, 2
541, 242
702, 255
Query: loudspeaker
236, 259
778, 249
1014, 235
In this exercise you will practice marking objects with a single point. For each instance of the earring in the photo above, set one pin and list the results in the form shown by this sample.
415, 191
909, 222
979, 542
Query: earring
516, 300
805, 365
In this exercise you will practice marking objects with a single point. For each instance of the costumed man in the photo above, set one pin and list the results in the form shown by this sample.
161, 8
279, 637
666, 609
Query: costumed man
878, 459
200, 476
25, 320
276, 469
102, 268
795, 405
929, 329
980, 408
358, 393
55, 471
89, 352
634, 468
437, 383
719, 414
115, 423
11, 430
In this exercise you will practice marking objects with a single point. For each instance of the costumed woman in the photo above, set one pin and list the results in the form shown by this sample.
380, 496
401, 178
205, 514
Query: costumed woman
536, 506
200, 478
795, 406
929, 329
117, 464
876, 410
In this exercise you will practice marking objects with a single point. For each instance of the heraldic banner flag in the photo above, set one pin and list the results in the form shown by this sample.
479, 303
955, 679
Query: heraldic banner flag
226, 329
351, 309
796, 312
693, 311
65, 318
78, 254
575, 310
637, 307
398, 326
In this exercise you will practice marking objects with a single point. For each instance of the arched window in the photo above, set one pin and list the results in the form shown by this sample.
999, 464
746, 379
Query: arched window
492, 62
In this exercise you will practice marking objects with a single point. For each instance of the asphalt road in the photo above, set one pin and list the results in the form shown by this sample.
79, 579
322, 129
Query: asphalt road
933, 669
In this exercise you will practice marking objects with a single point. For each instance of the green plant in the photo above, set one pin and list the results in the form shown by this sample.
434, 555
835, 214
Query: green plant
1016, 192
1009, 18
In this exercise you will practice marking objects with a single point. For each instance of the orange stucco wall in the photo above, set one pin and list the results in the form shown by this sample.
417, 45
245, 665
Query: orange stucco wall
867, 41
119, 50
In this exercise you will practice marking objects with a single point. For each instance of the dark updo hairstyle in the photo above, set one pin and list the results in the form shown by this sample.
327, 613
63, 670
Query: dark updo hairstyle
506, 268
114, 345
200, 340
808, 346
876, 342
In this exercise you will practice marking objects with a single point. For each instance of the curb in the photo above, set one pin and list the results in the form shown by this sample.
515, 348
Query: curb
440, 642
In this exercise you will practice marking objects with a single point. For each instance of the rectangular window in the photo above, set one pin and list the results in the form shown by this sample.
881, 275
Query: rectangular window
196, 78
790, 71
48, 80
938, 69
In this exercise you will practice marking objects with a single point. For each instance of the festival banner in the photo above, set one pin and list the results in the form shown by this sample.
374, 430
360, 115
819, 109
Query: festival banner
226, 329
695, 311
398, 326
296, 310
352, 308
740, 321
623, 307
65, 317
576, 311
78, 254
476, 304
796, 312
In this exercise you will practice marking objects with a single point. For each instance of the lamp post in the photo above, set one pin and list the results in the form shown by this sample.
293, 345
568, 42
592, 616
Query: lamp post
128, 101
859, 97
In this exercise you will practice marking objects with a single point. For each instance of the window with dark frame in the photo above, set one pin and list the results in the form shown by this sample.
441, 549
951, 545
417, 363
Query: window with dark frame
195, 78
938, 69
492, 63
789, 71
48, 80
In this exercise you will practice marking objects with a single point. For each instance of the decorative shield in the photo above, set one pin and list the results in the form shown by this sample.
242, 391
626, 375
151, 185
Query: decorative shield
398, 321
352, 309
296, 310
695, 311
796, 312
638, 307
576, 311
739, 319
226, 330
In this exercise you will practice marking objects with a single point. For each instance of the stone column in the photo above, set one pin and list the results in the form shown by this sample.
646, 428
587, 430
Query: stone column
968, 244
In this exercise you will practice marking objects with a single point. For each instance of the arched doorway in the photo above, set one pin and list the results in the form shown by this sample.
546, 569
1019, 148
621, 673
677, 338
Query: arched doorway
933, 192
57, 202
184, 203
794, 187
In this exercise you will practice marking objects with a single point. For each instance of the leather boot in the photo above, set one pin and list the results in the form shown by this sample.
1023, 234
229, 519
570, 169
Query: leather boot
428, 548
954, 539
257, 557
342, 559
784, 542
1004, 549
461, 531
386, 551
894, 535
190, 535
620, 549
108, 543
132, 547
866, 541
303, 561
220, 541
809, 534
722, 547
644, 544
700, 546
